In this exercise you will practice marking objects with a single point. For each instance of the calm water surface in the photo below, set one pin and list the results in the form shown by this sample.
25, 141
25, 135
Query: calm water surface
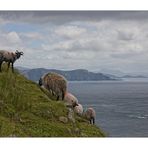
121, 106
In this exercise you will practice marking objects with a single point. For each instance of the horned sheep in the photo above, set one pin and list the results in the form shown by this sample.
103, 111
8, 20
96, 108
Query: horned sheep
10, 57
55, 83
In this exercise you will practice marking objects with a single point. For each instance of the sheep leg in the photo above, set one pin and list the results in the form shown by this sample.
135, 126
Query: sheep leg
93, 120
8, 65
63, 95
57, 98
52, 92
12, 68
1, 66
90, 121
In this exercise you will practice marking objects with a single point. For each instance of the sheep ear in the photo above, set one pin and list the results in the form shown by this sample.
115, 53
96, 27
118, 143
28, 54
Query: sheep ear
16, 51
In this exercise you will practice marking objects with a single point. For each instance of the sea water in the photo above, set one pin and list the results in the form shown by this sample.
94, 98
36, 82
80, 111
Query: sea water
121, 106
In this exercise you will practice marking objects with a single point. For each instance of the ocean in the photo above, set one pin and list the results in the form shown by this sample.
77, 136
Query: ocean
121, 106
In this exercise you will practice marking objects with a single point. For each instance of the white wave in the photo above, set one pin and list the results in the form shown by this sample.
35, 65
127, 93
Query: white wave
137, 116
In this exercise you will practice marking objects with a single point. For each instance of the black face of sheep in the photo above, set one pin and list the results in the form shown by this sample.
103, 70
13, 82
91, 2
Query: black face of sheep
75, 104
18, 54
40, 82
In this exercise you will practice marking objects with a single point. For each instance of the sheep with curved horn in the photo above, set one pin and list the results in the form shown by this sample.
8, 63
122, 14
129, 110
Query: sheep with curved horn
10, 57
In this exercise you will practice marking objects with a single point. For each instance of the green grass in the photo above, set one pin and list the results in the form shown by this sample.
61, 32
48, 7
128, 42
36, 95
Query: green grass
26, 110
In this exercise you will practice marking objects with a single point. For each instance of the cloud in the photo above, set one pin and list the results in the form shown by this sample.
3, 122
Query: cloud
32, 35
69, 40
10, 40
13, 37
127, 36
101, 44
62, 17
70, 31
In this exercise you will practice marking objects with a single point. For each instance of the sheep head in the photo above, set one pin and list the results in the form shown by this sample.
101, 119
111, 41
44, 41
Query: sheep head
40, 82
18, 54
75, 104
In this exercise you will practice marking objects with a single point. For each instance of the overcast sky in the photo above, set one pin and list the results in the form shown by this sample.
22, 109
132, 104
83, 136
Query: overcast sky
77, 40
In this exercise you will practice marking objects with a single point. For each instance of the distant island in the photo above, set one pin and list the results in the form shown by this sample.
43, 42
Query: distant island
75, 75
135, 76
71, 75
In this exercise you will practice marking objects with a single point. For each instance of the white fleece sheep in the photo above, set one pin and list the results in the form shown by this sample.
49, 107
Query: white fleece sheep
70, 100
78, 109
90, 115
55, 83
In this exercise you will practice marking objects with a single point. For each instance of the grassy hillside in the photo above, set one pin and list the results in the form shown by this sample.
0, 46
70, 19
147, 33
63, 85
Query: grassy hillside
28, 111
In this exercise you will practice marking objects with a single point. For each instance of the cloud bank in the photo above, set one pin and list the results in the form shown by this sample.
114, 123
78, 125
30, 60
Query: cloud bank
93, 40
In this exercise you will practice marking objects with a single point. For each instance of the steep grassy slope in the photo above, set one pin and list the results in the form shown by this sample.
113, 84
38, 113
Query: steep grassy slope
28, 111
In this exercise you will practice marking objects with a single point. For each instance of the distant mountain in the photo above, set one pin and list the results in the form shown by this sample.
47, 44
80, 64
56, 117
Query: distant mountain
117, 74
22, 68
71, 75
133, 76
114, 73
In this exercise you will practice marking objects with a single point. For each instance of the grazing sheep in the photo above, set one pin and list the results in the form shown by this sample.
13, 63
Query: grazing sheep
70, 99
55, 83
78, 109
90, 115
10, 57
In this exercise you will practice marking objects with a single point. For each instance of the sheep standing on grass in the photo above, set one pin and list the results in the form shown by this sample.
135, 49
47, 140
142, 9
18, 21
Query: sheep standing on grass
55, 83
70, 100
90, 115
78, 109
10, 57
